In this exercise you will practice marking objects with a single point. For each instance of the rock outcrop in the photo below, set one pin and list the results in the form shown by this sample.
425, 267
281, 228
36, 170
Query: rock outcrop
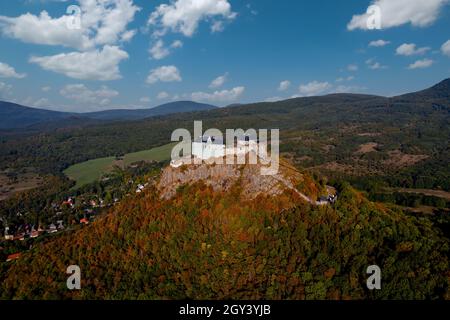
222, 177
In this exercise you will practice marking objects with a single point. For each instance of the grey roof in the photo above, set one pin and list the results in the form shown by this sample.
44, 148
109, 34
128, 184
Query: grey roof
215, 140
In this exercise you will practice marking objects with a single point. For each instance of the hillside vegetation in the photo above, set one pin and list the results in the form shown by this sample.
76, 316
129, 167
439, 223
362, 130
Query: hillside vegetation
202, 244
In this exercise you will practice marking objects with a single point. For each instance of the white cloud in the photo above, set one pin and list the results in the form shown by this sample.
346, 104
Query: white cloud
352, 67
79, 93
379, 43
184, 16
219, 81
5, 89
314, 88
374, 65
6, 71
421, 64
102, 22
158, 51
145, 100
274, 99
217, 26
164, 74
347, 89
128, 35
162, 95
219, 96
46, 88
93, 65
342, 79
409, 49
177, 44
40, 103
284, 85
394, 13
446, 48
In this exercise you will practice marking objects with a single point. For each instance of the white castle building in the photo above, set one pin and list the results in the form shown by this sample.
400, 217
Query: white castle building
208, 147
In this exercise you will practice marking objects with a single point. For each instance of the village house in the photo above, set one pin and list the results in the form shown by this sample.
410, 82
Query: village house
140, 188
326, 200
34, 234
52, 229
60, 224
7, 235
12, 257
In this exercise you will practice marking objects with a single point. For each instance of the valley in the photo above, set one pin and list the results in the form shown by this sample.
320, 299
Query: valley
92, 170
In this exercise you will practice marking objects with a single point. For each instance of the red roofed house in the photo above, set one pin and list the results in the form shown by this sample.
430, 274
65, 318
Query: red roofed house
13, 257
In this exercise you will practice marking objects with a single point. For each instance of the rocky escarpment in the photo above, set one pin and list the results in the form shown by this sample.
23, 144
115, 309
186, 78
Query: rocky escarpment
223, 177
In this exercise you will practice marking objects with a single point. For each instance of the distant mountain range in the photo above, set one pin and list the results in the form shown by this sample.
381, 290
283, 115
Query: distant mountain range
438, 93
15, 116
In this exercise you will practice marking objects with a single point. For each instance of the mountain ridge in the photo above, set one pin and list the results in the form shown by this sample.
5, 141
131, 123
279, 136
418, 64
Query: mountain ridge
16, 116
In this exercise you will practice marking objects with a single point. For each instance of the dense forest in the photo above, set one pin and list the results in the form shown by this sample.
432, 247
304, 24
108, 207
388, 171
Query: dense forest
206, 245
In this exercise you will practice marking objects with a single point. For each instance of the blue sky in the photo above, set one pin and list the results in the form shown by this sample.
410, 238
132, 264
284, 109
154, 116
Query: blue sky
142, 53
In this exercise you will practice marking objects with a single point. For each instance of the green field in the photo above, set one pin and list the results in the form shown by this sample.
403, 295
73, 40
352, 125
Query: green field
92, 170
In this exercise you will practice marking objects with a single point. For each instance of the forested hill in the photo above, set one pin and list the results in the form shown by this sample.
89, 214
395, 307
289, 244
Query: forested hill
437, 93
14, 116
203, 244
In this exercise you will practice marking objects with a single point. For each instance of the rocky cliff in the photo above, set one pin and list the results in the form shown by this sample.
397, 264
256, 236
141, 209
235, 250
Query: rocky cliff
248, 178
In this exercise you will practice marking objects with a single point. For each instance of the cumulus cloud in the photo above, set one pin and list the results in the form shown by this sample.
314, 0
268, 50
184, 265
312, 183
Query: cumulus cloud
409, 49
446, 48
184, 16
314, 88
284, 85
394, 13
342, 79
159, 51
145, 100
102, 22
374, 65
347, 89
421, 64
219, 81
46, 88
217, 26
79, 93
219, 96
40, 103
352, 67
274, 99
164, 74
92, 65
379, 43
128, 35
5, 89
6, 71
162, 95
